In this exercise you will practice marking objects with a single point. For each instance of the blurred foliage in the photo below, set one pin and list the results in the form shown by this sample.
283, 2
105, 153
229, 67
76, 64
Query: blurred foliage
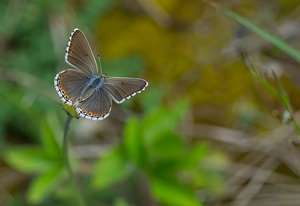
152, 149
45, 161
183, 49
260, 31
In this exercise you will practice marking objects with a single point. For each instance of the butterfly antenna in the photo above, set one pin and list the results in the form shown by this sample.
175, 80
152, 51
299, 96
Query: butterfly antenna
100, 63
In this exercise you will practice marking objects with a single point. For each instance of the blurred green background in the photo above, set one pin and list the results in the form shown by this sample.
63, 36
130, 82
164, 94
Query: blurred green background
204, 132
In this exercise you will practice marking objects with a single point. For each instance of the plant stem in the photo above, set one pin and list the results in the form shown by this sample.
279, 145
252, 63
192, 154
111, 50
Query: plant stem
67, 162
276, 41
277, 92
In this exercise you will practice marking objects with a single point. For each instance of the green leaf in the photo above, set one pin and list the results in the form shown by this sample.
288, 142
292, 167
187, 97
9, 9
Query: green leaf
181, 161
42, 185
171, 192
212, 180
48, 140
193, 157
30, 159
163, 121
111, 169
258, 30
167, 146
133, 141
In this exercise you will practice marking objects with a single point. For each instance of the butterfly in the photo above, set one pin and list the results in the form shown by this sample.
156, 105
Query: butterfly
87, 91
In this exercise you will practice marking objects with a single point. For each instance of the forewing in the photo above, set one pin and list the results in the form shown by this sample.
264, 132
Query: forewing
122, 88
69, 85
79, 53
96, 107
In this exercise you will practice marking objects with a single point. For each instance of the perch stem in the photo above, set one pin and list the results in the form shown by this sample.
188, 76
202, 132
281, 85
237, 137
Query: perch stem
67, 162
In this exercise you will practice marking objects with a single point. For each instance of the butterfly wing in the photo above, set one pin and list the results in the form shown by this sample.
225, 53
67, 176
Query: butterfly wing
69, 85
79, 53
122, 88
95, 107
